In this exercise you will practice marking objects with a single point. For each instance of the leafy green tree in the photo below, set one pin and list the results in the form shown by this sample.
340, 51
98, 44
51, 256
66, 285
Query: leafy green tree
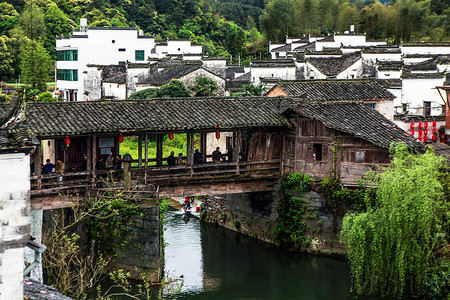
46, 97
144, 94
204, 86
36, 65
253, 90
58, 23
6, 59
174, 88
276, 21
32, 23
397, 248
9, 18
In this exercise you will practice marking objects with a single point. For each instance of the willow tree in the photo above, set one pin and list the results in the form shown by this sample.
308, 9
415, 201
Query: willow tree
397, 247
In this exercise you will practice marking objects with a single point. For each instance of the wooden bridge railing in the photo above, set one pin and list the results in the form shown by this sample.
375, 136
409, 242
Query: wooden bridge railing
67, 180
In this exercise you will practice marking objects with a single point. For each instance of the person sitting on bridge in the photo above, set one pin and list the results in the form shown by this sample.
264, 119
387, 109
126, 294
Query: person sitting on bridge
171, 159
217, 155
109, 163
198, 159
180, 159
48, 166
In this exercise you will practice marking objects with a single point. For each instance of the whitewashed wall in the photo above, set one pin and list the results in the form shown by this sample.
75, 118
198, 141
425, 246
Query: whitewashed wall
14, 222
285, 73
417, 90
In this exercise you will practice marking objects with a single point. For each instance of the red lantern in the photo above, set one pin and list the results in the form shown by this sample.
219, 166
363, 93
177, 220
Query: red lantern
420, 132
218, 135
443, 138
67, 141
425, 125
425, 132
434, 123
433, 137
434, 130
425, 138
412, 132
412, 125
171, 135
420, 125
420, 138
120, 138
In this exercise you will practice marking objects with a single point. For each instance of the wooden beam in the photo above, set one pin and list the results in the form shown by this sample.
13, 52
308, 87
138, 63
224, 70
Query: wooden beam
203, 146
37, 164
89, 156
237, 150
159, 152
94, 160
53, 202
190, 152
139, 151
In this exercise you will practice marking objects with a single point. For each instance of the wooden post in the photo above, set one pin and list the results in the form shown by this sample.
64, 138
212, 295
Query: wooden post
159, 158
66, 158
146, 158
89, 157
237, 150
190, 153
94, 160
127, 171
283, 149
139, 151
203, 146
37, 165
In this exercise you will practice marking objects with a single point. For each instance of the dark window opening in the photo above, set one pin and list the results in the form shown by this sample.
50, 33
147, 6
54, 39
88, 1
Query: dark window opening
373, 105
426, 108
122, 50
405, 107
317, 152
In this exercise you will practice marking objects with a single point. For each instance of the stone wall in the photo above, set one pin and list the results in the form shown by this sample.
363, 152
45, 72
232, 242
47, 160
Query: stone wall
14, 222
255, 215
137, 248
132, 243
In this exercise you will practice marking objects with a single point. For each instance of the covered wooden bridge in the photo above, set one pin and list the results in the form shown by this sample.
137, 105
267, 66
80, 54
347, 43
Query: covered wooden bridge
83, 135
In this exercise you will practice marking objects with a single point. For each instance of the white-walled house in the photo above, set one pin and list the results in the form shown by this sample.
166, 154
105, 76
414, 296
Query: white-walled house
106, 46
273, 69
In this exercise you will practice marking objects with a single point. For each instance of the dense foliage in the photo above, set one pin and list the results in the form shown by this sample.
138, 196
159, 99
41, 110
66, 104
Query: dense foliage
290, 227
403, 245
174, 88
204, 86
397, 21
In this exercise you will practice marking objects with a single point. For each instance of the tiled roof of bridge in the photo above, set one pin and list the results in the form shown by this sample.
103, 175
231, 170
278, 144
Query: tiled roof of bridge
335, 90
76, 118
357, 119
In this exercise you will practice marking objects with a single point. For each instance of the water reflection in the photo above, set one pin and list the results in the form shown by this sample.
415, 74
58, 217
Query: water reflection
220, 264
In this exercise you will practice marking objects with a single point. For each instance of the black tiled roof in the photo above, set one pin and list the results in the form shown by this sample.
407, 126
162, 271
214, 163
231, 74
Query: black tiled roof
272, 63
117, 78
409, 75
336, 90
389, 65
166, 75
429, 64
14, 134
357, 119
76, 118
332, 66
283, 48
381, 49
